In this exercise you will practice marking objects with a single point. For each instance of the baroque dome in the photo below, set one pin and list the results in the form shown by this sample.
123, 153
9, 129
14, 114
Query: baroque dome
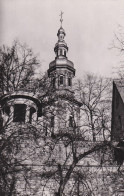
60, 62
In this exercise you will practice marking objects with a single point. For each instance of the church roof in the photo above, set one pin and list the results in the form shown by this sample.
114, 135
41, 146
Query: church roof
120, 87
60, 62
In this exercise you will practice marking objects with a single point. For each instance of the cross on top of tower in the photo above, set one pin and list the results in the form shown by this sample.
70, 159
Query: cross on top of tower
61, 19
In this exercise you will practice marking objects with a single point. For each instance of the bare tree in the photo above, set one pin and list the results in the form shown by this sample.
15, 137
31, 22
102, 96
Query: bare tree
17, 147
118, 46
95, 95
17, 65
17, 72
44, 155
68, 150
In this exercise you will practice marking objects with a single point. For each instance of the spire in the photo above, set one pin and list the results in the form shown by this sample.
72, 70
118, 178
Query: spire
61, 19
61, 33
61, 47
61, 70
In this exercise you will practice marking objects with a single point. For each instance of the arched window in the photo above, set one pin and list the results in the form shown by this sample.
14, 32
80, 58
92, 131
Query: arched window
64, 53
54, 82
70, 121
69, 81
52, 121
61, 80
60, 51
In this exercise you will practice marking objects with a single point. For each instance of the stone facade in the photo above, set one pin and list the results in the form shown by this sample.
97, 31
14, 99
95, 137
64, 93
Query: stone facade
117, 129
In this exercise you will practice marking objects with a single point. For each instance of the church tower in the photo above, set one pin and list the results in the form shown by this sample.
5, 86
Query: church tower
61, 71
61, 108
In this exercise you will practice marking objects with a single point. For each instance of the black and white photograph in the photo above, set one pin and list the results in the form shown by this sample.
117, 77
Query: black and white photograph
61, 97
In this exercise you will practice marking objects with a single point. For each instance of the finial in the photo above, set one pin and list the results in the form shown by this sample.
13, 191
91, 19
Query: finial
61, 19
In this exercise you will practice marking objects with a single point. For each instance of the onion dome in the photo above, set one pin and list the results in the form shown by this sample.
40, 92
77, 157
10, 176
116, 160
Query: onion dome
61, 31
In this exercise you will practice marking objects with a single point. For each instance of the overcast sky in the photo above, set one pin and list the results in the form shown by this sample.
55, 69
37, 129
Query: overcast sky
89, 25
